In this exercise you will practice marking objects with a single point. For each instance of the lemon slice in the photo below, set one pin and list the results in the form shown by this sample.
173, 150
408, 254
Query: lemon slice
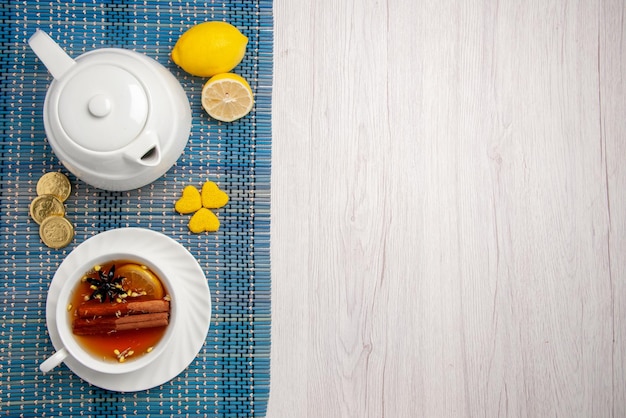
227, 97
140, 281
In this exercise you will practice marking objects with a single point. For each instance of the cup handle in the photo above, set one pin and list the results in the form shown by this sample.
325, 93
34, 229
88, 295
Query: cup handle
53, 361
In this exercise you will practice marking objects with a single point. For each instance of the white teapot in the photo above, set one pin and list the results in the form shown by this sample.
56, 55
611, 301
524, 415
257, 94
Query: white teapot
117, 119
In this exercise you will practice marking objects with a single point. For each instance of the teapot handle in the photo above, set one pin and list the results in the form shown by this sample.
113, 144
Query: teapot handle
50, 53
144, 149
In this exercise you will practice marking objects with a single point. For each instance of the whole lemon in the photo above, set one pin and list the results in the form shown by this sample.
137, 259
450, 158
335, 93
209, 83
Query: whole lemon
210, 48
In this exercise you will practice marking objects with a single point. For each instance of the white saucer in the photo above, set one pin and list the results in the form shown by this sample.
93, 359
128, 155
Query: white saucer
175, 261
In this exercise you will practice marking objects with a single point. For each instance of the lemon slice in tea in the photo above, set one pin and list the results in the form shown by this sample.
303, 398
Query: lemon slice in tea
140, 280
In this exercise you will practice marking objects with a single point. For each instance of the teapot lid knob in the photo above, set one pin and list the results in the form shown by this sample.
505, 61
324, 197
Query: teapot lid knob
99, 105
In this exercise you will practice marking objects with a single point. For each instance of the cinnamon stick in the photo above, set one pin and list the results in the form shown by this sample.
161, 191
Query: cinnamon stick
94, 308
107, 324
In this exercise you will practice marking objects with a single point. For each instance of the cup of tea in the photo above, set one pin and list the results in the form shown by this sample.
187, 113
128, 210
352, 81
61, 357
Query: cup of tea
114, 313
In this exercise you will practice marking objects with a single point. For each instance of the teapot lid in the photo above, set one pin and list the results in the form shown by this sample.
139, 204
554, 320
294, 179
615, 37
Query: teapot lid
102, 107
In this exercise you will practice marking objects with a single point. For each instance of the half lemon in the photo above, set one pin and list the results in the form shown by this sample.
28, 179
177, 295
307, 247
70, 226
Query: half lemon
227, 97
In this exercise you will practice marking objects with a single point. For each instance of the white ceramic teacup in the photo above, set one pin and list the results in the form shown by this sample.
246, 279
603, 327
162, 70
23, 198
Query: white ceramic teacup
70, 346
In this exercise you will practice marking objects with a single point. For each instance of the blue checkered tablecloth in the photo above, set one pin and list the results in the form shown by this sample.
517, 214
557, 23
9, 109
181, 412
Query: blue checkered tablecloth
230, 375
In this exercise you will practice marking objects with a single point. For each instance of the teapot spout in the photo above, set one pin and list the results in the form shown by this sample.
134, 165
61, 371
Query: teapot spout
144, 150
50, 53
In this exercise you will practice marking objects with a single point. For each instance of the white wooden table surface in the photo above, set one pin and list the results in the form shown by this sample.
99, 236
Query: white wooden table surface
449, 209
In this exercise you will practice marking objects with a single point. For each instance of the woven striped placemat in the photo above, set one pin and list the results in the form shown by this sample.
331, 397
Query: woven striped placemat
230, 375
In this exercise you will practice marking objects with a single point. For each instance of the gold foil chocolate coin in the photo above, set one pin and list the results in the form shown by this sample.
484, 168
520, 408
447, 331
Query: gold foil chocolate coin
56, 184
56, 231
44, 206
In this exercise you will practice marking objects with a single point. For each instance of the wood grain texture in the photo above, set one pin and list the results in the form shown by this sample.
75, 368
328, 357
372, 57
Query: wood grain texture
448, 210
